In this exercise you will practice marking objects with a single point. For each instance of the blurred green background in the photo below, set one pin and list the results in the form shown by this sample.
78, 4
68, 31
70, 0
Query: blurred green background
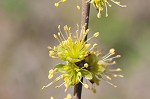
26, 29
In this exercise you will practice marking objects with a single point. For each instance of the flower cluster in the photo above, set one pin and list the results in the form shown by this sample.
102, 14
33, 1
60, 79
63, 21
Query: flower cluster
81, 58
98, 4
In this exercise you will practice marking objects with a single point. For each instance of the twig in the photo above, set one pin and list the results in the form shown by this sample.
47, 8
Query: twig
84, 20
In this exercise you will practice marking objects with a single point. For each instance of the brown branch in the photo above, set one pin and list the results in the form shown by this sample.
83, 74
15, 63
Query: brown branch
85, 13
84, 20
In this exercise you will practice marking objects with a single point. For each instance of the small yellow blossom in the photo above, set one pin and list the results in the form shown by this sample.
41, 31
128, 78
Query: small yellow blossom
71, 48
101, 4
99, 67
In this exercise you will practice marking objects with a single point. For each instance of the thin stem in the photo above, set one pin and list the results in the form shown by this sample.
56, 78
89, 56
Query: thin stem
84, 20
85, 13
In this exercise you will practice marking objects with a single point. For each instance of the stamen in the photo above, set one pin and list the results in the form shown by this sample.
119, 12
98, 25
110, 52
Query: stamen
61, 33
57, 3
113, 70
55, 36
50, 76
116, 75
50, 71
108, 3
94, 47
107, 77
66, 30
55, 48
60, 85
99, 13
87, 46
118, 3
106, 56
49, 47
56, 80
110, 59
60, 36
85, 85
111, 84
47, 85
54, 57
51, 53
84, 34
56, 69
77, 32
94, 35
106, 10
108, 64
111, 52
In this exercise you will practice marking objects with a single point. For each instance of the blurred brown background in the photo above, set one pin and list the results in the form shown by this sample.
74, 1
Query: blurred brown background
26, 29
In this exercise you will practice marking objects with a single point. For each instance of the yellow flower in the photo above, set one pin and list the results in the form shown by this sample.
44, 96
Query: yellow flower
101, 4
71, 74
98, 66
81, 60
71, 48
